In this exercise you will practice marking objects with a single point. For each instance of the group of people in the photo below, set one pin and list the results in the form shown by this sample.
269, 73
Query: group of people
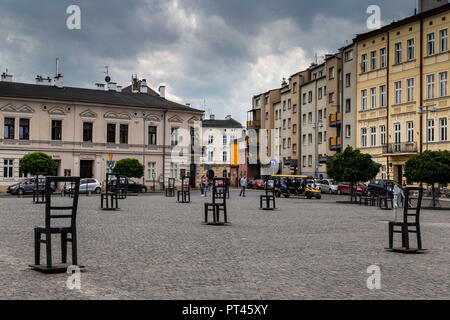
205, 185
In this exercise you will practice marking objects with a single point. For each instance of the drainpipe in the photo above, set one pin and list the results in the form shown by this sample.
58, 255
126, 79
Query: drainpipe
421, 85
164, 151
388, 65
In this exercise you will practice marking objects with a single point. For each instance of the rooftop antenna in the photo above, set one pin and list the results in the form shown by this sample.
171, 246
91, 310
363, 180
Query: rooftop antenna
315, 58
57, 66
107, 78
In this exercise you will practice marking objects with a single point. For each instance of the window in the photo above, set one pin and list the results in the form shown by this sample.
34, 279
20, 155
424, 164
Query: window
224, 139
383, 58
373, 60
304, 161
430, 130
444, 40
304, 118
210, 156
430, 86
397, 137
331, 97
348, 131
364, 63
443, 80
430, 44
331, 73
87, 131
364, 137
410, 131
320, 137
364, 99
111, 133
284, 143
398, 92
151, 171
258, 102
348, 56
348, 106
210, 139
289, 143
373, 136
398, 53
310, 119
276, 114
310, 96
174, 170
224, 156
289, 104
294, 89
410, 49
320, 94
304, 98
294, 148
9, 128
348, 80
383, 172
383, 96
410, 90
373, 98
284, 124
304, 140
310, 139
383, 135
284, 105
24, 129
152, 135
294, 128
123, 134
8, 168
289, 123
294, 108
443, 129
267, 116
56, 130
320, 115
310, 161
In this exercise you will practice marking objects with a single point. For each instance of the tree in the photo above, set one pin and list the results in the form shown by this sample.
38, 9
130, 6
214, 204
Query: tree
353, 166
129, 168
429, 167
38, 163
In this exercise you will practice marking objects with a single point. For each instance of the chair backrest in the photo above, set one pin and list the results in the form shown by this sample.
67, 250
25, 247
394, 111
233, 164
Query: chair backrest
171, 183
48, 201
407, 208
219, 192
269, 186
185, 185
109, 178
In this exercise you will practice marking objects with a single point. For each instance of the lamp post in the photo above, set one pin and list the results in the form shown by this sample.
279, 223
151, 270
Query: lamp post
421, 111
316, 126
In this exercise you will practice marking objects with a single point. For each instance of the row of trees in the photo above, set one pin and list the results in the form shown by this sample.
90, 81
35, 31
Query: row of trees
39, 163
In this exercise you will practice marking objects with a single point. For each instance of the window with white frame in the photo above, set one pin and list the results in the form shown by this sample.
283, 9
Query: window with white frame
383, 172
224, 139
289, 104
210, 156
304, 161
383, 58
348, 131
364, 137
443, 80
444, 40
348, 80
289, 123
410, 90
310, 162
410, 131
225, 156
174, 170
398, 53
320, 137
373, 136
397, 137
294, 148
294, 128
398, 92
320, 94
364, 63
443, 129
348, 55
383, 135
8, 168
383, 96
430, 130
373, 60
331, 73
411, 49
364, 99
284, 124
210, 139
284, 143
430, 86
373, 98
430, 44
310, 139
289, 143
151, 171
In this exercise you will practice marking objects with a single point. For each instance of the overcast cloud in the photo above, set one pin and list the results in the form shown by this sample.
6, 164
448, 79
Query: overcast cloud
219, 51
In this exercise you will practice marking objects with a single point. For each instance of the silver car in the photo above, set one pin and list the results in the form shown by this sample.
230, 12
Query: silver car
327, 186
86, 186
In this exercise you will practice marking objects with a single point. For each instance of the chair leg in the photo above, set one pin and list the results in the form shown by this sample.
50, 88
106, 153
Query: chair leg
74, 248
419, 237
391, 236
206, 213
405, 236
48, 243
37, 247
63, 247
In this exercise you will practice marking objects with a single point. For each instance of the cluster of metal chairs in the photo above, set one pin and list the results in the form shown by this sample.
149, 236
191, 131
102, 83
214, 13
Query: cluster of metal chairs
383, 201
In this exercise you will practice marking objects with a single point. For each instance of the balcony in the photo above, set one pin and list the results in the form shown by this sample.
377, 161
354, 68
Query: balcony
335, 143
325, 159
335, 119
397, 148
253, 124
254, 119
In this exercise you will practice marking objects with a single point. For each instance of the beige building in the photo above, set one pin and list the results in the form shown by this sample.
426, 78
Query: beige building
348, 60
82, 128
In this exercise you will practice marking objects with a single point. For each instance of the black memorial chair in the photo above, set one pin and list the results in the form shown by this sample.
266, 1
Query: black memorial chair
170, 190
219, 202
269, 197
184, 195
109, 199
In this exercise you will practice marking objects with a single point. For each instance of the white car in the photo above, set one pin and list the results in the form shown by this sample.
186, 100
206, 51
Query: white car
86, 185
327, 186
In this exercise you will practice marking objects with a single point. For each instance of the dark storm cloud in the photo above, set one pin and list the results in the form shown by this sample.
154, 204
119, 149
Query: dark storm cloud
224, 51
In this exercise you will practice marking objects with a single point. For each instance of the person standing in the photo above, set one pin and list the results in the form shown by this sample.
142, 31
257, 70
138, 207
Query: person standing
202, 187
243, 183
205, 187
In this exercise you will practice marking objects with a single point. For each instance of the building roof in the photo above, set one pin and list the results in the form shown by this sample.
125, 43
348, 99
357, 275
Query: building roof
231, 123
150, 91
77, 95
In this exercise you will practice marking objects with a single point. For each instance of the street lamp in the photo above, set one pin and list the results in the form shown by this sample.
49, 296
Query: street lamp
421, 111
315, 126
144, 118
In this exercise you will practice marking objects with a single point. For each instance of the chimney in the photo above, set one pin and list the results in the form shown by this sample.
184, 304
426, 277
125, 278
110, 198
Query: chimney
162, 92
112, 86
143, 87
425, 5
47, 81
188, 104
134, 83
212, 117
119, 88
58, 81
228, 117
6, 77
100, 86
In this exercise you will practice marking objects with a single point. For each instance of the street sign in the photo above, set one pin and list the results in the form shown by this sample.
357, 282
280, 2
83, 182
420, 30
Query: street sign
110, 157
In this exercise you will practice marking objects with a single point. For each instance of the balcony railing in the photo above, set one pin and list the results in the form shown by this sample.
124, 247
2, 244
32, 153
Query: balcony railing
335, 143
254, 124
335, 119
403, 147
325, 159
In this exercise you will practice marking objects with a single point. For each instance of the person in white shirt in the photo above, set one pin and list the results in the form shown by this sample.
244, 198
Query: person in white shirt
243, 183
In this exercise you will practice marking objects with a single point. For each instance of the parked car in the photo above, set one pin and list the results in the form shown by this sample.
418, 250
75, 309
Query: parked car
327, 186
344, 188
86, 185
380, 186
250, 184
28, 186
259, 184
130, 185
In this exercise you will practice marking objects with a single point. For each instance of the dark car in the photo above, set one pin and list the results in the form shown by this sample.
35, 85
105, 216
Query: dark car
129, 185
250, 184
381, 187
27, 186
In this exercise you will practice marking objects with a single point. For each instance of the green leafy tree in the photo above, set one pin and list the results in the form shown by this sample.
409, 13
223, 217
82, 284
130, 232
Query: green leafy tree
129, 168
429, 167
353, 166
38, 163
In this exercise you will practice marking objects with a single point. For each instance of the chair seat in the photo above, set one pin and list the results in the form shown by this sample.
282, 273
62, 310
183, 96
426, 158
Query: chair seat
399, 224
53, 229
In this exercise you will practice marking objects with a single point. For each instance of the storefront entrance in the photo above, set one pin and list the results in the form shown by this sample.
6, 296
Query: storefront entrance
86, 169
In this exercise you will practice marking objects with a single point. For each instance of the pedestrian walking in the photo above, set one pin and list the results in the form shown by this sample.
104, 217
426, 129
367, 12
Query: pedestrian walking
243, 183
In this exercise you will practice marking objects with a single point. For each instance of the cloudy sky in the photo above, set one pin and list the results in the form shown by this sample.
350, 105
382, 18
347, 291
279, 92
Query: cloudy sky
219, 51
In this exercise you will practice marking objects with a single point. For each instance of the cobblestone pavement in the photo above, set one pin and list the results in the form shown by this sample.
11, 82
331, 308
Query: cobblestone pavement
155, 248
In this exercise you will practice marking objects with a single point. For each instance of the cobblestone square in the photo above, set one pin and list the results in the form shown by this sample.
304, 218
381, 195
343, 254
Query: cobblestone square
156, 248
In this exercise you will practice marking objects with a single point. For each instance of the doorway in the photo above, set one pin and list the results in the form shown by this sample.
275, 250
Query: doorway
86, 169
398, 173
